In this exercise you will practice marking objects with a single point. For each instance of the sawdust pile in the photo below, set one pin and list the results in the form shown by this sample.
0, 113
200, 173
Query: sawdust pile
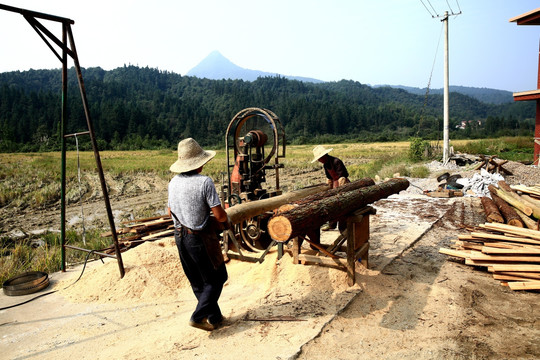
153, 273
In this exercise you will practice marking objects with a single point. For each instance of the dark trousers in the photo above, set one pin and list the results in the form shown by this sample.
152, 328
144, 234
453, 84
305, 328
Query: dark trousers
205, 281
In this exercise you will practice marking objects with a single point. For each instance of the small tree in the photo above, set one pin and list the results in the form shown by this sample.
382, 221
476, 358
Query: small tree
419, 149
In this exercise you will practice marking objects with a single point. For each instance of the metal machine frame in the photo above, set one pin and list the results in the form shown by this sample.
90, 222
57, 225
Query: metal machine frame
247, 144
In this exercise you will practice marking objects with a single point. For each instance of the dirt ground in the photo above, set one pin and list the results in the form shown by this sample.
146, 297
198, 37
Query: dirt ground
412, 302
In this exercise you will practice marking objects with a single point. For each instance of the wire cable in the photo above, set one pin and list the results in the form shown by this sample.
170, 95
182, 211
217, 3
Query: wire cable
429, 82
427, 9
435, 11
452, 11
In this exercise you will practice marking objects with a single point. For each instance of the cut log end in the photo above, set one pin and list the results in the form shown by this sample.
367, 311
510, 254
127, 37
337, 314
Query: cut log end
280, 228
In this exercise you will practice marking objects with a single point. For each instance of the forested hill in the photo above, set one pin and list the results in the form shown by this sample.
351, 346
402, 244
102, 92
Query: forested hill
134, 108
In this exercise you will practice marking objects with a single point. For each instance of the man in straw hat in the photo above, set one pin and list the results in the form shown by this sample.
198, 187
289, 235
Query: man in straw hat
192, 197
335, 172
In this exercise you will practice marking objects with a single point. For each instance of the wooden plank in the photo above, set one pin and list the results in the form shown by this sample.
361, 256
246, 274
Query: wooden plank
515, 258
530, 275
499, 276
533, 234
488, 264
158, 234
323, 260
456, 253
363, 255
472, 246
521, 250
516, 267
525, 285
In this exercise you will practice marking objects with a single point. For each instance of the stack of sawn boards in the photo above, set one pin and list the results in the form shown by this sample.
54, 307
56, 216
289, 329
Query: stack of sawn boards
511, 253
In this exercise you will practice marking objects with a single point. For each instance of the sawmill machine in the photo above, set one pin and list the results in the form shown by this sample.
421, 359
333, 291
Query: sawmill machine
254, 142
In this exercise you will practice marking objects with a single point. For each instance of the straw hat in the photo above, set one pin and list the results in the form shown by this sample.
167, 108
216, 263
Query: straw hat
191, 156
319, 151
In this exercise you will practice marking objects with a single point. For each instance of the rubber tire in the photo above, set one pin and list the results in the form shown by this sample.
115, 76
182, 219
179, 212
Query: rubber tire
443, 177
453, 178
26, 283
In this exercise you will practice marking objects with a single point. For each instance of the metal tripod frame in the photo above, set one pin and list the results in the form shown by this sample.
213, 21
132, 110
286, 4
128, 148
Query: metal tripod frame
68, 49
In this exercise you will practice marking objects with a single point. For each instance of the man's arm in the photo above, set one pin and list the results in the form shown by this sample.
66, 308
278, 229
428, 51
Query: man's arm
219, 213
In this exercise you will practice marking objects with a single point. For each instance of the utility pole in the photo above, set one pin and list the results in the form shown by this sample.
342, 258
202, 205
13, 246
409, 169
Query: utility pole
446, 150
446, 111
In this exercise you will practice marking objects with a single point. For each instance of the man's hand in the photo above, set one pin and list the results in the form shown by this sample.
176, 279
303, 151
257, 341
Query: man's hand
342, 181
227, 224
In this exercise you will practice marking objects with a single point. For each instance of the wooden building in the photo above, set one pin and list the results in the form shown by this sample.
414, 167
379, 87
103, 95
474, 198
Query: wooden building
532, 18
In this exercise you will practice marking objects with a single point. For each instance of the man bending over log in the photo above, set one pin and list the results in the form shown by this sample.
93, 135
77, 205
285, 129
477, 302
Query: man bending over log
335, 171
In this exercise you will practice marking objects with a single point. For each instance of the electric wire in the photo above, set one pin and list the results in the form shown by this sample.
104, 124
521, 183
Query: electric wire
427, 9
429, 82
459, 7
447, 3
435, 11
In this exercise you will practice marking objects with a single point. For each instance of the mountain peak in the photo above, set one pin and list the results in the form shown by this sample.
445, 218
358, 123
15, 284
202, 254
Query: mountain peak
215, 66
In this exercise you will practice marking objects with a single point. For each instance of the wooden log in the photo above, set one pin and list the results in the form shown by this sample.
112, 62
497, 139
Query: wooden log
248, 210
509, 214
299, 220
529, 199
529, 223
491, 210
331, 192
534, 190
512, 199
524, 203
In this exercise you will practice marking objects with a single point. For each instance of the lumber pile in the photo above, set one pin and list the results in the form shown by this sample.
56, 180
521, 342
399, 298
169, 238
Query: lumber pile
492, 165
510, 253
138, 231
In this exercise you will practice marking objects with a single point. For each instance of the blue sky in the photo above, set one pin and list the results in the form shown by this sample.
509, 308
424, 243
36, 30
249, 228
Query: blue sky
374, 42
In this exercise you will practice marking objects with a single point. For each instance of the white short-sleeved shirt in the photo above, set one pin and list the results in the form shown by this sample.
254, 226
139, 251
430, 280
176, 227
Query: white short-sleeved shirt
190, 199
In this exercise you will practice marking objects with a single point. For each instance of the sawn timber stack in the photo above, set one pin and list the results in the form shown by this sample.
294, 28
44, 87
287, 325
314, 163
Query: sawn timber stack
307, 216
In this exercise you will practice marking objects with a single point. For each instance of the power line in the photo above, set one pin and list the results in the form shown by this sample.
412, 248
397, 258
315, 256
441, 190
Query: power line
426, 8
459, 8
435, 11
452, 11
